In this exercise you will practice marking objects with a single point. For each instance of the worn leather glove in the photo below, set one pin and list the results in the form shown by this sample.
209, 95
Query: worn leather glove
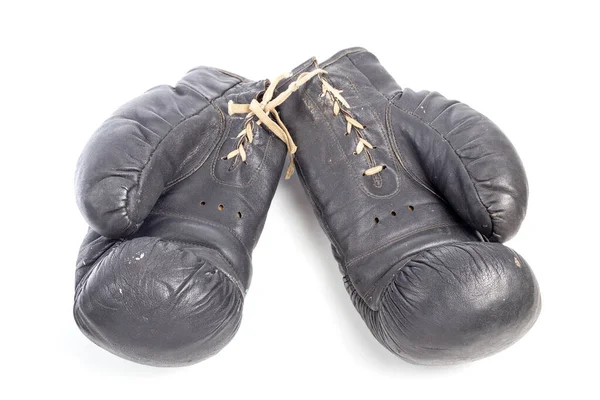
176, 192
416, 193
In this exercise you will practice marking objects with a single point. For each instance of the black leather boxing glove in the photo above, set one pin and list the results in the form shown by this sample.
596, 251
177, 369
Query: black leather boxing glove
175, 208
416, 193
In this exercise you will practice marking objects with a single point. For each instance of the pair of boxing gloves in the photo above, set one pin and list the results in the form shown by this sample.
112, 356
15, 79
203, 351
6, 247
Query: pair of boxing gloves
415, 192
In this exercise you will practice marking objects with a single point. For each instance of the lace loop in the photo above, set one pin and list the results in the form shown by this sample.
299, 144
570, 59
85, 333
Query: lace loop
335, 96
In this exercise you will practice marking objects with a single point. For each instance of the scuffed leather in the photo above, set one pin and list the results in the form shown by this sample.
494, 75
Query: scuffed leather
413, 242
162, 274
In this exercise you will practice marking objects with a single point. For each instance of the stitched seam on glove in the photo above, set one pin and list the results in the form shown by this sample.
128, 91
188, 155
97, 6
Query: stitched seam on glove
139, 175
208, 222
398, 153
345, 54
459, 158
400, 269
397, 239
390, 127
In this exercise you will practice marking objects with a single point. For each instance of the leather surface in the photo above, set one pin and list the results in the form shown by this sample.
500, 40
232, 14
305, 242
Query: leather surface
162, 274
414, 242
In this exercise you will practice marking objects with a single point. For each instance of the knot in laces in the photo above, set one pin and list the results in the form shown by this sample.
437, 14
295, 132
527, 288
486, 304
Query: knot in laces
263, 111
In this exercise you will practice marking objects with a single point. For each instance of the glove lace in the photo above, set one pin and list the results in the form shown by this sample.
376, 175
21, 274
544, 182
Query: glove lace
341, 106
262, 111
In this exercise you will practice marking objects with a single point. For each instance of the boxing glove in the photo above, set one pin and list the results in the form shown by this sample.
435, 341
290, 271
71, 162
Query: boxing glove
416, 194
175, 187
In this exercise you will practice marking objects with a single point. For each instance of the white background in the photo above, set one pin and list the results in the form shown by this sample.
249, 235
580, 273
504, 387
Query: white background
532, 68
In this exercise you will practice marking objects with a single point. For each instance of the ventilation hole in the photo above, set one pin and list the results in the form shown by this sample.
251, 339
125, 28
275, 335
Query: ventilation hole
221, 207
393, 213
355, 153
411, 208
376, 220
202, 203
239, 214
384, 167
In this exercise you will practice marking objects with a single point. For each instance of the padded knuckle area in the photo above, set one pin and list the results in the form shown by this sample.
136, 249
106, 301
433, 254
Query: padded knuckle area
456, 303
152, 302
